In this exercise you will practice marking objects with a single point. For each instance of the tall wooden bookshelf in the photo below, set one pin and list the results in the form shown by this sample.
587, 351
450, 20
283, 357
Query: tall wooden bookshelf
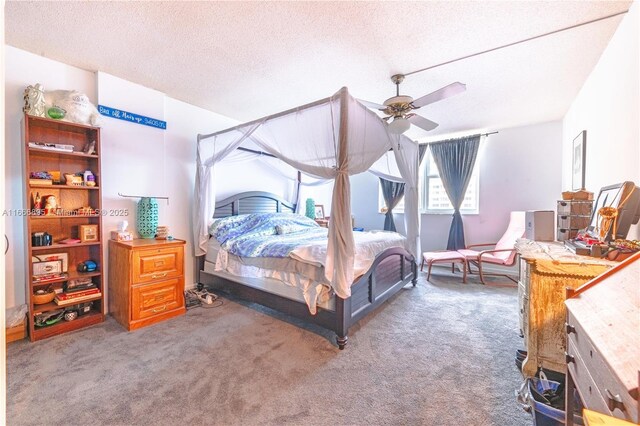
66, 222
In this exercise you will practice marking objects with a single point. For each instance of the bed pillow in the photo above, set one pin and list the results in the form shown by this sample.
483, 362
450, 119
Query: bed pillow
220, 228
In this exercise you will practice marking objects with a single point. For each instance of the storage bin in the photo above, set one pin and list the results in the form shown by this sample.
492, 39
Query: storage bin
567, 234
573, 222
544, 414
575, 207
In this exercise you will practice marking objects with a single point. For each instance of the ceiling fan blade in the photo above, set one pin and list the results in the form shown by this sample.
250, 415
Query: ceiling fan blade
372, 105
440, 94
422, 122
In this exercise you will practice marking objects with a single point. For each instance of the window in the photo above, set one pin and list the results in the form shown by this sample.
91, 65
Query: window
433, 197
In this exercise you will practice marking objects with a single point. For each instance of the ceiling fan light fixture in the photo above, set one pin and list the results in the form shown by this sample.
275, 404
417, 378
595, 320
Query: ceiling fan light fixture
399, 126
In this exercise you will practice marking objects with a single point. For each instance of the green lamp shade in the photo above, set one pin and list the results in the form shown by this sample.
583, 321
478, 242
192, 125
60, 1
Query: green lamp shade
147, 218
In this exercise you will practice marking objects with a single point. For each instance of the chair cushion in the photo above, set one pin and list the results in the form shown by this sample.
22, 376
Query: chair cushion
442, 256
499, 258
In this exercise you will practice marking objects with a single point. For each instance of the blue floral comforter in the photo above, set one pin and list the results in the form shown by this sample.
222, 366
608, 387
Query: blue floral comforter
265, 234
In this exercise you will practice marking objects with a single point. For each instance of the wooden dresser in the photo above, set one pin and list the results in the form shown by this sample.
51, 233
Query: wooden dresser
603, 333
546, 270
146, 281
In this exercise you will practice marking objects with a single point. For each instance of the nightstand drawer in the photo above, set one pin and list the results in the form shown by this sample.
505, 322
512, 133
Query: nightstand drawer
157, 264
154, 299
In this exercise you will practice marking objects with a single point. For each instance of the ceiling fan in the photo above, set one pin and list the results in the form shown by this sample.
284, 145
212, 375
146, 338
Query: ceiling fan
399, 108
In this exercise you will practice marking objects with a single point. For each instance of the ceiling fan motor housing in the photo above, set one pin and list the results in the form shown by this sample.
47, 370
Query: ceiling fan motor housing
398, 105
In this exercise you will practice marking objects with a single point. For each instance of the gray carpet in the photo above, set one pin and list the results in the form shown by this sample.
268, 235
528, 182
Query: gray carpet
438, 354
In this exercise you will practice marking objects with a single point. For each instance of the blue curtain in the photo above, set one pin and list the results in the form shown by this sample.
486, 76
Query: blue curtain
455, 159
422, 149
392, 193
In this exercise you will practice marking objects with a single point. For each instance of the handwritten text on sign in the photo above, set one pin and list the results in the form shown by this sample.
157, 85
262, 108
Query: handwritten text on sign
129, 116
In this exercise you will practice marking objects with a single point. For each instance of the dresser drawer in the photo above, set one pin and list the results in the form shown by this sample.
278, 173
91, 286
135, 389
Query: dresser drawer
589, 393
152, 299
612, 392
156, 264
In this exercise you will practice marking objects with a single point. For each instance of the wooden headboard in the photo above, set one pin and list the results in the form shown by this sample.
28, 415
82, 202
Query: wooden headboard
252, 202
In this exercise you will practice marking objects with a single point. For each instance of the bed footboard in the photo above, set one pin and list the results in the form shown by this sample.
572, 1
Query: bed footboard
392, 269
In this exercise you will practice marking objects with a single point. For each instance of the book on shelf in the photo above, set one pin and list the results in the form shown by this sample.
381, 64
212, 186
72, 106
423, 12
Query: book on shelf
72, 295
69, 241
82, 288
77, 299
40, 181
38, 279
51, 146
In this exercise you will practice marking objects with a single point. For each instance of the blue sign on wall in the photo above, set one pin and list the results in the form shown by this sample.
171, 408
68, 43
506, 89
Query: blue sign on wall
134, 118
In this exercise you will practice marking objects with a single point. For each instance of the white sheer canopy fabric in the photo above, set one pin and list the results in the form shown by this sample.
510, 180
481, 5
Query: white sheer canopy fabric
329, 139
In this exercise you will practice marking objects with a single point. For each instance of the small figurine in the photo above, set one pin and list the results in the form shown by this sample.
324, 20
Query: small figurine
37, 202
51, 205
34, 100
90, 148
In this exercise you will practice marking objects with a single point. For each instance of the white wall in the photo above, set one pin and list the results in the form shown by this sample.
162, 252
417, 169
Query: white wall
520, 169
136, 159
608, 108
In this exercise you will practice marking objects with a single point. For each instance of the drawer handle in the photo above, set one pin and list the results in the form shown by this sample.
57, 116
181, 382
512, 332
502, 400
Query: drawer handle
569, 359
156, 310
154, 276
570, 328
613, 401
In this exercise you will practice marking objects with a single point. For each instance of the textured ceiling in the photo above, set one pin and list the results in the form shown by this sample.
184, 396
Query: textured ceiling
250, 59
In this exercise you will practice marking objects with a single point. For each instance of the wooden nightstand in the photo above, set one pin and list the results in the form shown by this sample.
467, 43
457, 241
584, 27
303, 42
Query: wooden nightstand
146, 281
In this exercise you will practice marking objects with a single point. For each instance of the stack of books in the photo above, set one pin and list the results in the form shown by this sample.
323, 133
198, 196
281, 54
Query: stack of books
78, 295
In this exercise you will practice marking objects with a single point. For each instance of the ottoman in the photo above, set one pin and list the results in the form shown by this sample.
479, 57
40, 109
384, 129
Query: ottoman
453, 257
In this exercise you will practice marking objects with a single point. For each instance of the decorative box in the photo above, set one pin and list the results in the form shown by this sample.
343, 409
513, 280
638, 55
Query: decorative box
121, 236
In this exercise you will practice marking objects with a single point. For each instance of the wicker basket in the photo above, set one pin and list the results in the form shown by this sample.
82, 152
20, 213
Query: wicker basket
42, 298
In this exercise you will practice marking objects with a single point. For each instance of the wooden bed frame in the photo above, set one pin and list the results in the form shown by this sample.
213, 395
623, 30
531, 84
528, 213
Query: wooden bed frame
391, 270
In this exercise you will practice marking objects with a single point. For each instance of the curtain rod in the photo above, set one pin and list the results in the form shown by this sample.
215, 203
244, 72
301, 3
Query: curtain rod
518, 42
144, 196
255, 152
444, 140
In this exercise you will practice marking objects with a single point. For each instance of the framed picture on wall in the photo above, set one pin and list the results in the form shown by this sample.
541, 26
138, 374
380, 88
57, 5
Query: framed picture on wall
579, 161
319, 211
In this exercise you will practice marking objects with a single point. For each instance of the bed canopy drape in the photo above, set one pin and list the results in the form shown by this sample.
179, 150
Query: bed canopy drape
328, 139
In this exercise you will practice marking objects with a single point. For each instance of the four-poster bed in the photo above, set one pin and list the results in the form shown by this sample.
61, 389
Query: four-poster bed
391, 270
328, 139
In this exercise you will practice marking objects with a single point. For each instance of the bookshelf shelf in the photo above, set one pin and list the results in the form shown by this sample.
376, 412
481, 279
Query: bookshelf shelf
66, 246
52, 306
65, 187
70, 276
52, 152
91, 318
